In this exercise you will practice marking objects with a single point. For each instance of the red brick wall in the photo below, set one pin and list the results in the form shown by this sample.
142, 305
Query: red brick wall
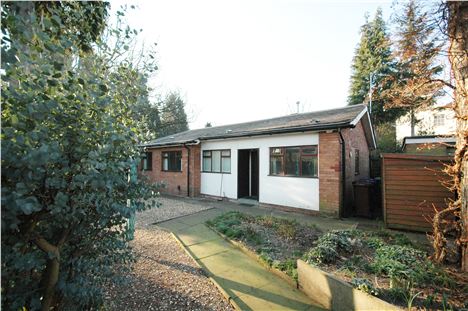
330, 186
176, 182
195, 169
329, 173
355, 139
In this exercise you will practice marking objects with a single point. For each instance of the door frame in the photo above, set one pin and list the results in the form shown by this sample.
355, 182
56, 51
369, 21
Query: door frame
250, 171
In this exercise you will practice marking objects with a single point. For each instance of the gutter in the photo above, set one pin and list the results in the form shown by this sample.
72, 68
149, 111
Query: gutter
343, 174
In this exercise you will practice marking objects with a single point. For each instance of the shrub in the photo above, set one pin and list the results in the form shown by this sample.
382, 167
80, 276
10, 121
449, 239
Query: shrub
364, 285
405, 264
287, 228
329, 245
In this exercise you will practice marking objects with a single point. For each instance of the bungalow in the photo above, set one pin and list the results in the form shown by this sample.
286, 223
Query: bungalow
304, 161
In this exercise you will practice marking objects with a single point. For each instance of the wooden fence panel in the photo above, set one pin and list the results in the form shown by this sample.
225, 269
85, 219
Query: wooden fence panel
412, 187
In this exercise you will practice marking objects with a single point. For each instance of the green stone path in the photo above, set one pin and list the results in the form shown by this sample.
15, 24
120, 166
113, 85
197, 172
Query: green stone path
246, 282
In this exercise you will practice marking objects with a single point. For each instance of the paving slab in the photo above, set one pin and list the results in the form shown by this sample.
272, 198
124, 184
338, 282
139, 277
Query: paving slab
203, 234
208, 249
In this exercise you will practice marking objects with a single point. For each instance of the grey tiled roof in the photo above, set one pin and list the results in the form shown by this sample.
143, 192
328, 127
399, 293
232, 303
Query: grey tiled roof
318, 120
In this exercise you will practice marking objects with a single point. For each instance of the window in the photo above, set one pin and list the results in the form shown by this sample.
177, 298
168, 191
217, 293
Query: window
217, 161
172, 161
294, 161
356, 162
439, 120
147, 161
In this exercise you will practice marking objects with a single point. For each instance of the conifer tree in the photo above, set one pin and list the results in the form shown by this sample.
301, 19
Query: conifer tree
173, 115
373, 61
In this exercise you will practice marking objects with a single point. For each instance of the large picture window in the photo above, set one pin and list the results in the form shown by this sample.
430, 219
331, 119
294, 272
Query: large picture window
217, 161
147, 161
172, 161
294, 161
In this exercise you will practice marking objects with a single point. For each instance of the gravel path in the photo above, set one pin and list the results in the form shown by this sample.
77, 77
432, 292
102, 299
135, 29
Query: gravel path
169, 209
164, 276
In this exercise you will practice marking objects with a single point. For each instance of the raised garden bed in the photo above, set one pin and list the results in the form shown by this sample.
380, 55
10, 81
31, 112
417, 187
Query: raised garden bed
379, 263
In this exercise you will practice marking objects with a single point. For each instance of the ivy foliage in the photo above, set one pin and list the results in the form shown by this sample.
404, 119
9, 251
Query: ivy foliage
68, 143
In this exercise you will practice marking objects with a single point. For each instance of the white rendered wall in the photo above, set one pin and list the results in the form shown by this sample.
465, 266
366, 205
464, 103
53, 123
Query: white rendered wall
426, 124
288, 191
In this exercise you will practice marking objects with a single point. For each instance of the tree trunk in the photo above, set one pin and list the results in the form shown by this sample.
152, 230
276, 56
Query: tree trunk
413, 122
458, 56
50, 279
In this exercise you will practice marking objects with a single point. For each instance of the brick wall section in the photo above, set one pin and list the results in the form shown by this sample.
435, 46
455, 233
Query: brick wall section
330, 186
176, 182
195, 168
355, 139
329, 173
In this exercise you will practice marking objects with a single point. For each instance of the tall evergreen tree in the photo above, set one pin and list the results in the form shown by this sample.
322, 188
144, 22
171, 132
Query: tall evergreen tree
372, 62
173, 115
414, 85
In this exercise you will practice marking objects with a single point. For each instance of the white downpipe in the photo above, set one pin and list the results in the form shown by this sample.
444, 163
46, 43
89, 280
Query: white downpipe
250, 173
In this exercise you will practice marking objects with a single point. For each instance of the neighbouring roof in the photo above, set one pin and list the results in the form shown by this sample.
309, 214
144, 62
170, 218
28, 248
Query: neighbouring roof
344, 117
428, 139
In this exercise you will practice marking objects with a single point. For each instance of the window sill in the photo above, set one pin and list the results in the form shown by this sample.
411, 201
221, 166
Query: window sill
225, 173
166, 171
293, 176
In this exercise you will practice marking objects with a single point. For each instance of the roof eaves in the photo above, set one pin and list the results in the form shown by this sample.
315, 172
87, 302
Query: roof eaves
343, 124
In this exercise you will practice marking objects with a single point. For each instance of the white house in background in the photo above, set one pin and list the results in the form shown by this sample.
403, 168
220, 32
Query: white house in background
433, 121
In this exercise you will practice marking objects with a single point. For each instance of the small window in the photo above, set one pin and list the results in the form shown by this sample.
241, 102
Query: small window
172, 161
217, 161
147, 161
356, 162
294, 161
439, 120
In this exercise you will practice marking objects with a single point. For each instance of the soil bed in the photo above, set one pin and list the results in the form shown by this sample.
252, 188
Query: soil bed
380, 263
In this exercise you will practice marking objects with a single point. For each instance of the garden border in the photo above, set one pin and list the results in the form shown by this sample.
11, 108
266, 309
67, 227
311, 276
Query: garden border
335, 294
257, 257
312, 282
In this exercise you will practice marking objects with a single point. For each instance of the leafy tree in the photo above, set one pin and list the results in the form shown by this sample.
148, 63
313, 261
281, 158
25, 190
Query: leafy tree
68, 142
415, 84
372, 62
173, 115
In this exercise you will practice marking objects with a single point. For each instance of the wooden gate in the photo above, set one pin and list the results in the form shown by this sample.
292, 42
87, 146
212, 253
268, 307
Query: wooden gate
412, 186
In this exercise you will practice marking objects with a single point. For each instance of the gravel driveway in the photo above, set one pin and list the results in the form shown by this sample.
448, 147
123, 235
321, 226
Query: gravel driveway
164, 276
170, 208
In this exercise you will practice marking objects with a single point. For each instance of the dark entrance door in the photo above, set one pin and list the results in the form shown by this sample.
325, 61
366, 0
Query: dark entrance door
247, 174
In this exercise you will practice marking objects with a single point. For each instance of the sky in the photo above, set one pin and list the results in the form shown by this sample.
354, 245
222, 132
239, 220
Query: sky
239, 61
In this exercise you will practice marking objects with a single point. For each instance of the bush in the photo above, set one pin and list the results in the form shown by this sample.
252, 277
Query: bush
406, 265
329, 245
364, 285
68, 145
287, 228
